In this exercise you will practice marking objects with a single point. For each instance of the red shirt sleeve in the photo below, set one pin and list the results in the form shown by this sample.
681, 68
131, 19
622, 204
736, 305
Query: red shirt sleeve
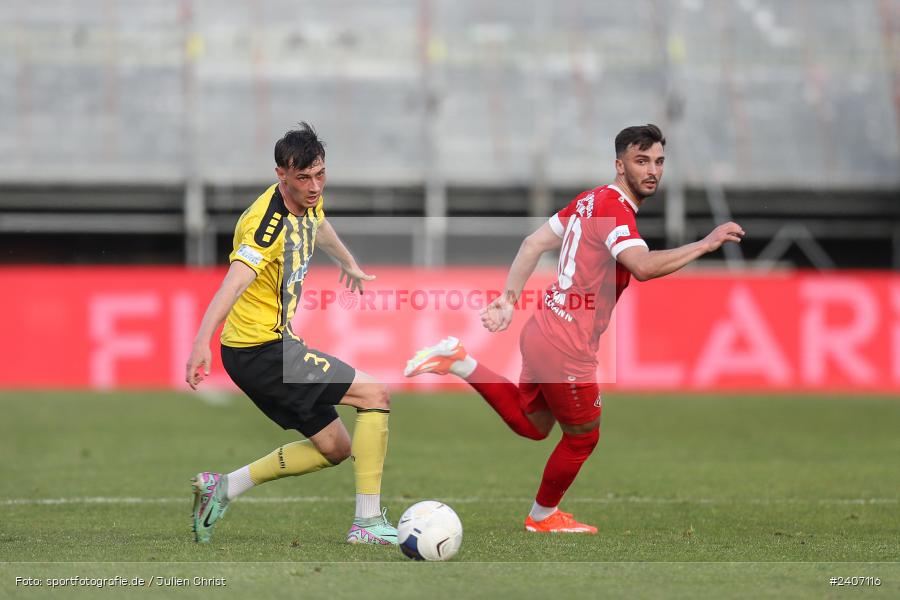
625, 232
559, 221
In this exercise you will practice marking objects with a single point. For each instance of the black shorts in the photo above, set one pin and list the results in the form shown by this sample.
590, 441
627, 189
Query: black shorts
294, 385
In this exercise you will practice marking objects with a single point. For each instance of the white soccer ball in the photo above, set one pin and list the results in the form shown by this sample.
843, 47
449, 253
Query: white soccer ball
429, 530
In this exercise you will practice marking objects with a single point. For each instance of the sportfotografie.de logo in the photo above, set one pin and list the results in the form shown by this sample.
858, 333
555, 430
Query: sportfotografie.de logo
437, 299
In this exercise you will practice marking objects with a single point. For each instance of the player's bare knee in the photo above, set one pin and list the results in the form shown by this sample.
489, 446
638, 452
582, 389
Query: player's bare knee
338, 454
378, 398
337, 458
335, 447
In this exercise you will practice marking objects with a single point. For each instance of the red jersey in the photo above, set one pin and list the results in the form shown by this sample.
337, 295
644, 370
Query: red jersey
575, 310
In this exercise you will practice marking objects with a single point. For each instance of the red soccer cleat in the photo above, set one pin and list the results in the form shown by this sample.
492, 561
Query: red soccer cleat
436, 359
558, 522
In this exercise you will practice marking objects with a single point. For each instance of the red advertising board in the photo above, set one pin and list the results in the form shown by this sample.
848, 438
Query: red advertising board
101, 328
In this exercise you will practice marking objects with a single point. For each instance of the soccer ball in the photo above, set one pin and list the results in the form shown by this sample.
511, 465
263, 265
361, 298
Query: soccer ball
429, 530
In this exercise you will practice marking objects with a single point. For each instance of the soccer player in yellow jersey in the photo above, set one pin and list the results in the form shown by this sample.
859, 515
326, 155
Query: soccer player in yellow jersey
293, 384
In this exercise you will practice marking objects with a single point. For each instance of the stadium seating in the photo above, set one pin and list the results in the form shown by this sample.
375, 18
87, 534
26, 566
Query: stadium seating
110, 110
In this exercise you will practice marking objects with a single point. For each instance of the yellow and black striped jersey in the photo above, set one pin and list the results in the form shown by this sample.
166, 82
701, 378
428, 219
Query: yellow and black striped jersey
278, 246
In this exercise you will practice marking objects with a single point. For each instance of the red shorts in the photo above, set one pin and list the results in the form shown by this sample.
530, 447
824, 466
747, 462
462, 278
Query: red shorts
551, 381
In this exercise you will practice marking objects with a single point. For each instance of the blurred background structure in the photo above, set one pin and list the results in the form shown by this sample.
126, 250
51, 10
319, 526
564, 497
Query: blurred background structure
136, 132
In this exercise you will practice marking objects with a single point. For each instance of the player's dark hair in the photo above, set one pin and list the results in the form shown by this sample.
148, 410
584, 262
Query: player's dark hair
643, 136
299, 148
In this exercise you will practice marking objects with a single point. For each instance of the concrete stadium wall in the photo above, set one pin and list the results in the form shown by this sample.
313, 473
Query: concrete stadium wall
770, 93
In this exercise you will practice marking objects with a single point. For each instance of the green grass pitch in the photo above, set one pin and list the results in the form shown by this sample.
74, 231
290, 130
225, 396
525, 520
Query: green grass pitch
695, 496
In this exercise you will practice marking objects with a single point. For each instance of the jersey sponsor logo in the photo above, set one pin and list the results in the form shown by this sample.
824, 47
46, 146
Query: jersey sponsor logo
251, 255
615, 234
549, 302
559, 298
297, 276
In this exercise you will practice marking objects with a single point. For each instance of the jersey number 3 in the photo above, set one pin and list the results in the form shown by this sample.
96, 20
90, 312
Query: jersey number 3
318, 361
566, 268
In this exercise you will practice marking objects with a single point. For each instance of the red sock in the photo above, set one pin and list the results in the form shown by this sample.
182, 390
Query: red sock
504, 397
563, 466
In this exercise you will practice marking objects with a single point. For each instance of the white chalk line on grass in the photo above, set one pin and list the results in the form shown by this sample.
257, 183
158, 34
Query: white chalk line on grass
186, 499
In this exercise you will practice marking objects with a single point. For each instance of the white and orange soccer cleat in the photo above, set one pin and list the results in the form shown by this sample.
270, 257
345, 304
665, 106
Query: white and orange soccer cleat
558, 522
436, 359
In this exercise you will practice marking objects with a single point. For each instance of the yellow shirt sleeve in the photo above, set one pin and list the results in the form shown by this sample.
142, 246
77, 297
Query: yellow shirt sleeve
254, 241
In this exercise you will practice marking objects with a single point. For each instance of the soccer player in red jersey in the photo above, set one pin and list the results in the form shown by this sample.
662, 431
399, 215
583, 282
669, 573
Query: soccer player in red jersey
600, 250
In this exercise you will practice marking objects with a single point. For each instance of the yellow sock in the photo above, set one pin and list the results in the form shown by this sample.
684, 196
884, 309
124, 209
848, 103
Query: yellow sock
370, 438
296, 458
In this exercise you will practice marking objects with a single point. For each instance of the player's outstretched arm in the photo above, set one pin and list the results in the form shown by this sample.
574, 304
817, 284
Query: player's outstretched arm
498, 314
238, 278
351, 274
645, 265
